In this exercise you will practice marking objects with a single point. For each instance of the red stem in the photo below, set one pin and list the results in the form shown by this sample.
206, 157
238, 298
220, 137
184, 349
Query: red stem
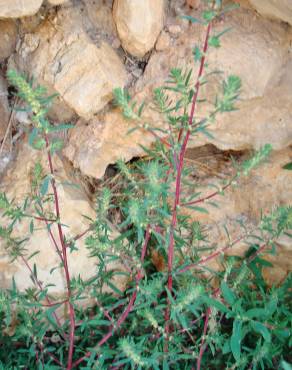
65, 259
211, 256
179, 175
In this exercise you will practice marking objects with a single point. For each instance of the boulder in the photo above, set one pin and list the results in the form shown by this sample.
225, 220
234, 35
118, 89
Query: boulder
277, 9
19, 8
93, 145
74, 204
64, 58
8, 32
138, 24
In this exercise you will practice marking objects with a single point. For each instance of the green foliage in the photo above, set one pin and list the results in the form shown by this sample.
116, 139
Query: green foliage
176, 312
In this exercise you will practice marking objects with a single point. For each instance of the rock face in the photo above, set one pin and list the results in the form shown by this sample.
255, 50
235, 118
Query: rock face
19, 8
73, 204
266, 187
8, 32
4, 107
279, 9
64, 58
264, 114
138, 24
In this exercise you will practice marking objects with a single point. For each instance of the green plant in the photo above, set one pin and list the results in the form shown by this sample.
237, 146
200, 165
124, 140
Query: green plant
173, 318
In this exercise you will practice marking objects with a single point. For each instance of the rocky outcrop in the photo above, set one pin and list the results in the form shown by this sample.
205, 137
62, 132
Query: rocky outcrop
64, 59
8, 32
73, 206
138, 24
19, 8
278, 9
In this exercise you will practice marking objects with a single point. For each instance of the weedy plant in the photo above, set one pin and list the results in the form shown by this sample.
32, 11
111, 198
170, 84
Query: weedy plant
173, 317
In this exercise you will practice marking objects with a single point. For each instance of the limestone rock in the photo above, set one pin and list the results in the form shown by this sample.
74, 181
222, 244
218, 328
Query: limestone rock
4, 107
64, 58
8, 32
102, 141
138, 24
73, 205
19, 8
279, 9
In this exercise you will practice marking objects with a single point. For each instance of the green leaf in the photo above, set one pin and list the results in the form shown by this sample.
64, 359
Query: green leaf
218, 305
208, 15
228, 294
235, 341
214, 41
288, 166
255, 313
45, 186
286, 366
260, 328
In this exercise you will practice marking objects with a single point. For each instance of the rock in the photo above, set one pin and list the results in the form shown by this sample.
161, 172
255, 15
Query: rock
19, 8
4, 107
138, 24
266, 187
8, 32
94, 145
279, 9
64, 59
74, 204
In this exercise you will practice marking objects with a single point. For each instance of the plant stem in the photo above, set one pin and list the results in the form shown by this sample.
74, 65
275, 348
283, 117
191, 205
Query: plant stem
65, 259
180, 166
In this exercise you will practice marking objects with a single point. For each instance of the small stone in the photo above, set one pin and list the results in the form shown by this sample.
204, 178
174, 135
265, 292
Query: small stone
8, 32
138, 24
19, 8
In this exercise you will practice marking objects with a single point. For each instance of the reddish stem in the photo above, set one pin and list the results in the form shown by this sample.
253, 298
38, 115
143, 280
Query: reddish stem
204, 260
65, 259
179, 176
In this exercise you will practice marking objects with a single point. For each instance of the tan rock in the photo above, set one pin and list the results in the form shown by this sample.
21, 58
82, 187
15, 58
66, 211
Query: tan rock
138, 24
19, 8
64, 58
102, 141
8, 32
73, 206
4, 107
279, 9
